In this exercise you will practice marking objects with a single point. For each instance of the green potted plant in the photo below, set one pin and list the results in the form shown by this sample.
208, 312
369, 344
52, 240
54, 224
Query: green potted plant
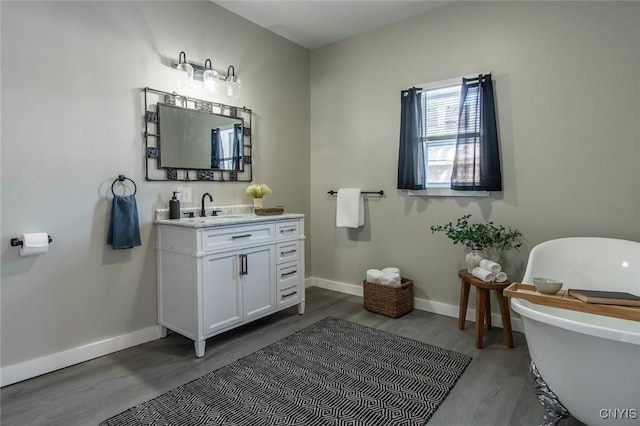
477, 237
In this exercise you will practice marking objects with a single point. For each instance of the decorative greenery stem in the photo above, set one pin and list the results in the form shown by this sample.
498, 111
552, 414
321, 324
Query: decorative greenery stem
479, 236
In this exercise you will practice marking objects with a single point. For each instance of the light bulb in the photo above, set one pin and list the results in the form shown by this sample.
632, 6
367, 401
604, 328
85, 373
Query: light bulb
185, 72
210, 79
233, 83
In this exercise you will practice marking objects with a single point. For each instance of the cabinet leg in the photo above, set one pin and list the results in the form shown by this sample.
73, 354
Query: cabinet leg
301, 308
162, 331
200, 348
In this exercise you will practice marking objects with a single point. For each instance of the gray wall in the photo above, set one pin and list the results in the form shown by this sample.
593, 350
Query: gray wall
71, 122
568, 99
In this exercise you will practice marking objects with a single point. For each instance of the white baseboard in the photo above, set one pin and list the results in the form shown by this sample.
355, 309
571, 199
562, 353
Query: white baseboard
46, 364
420, 304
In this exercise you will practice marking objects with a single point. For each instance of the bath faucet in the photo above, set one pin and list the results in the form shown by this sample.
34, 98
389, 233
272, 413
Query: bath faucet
203, 213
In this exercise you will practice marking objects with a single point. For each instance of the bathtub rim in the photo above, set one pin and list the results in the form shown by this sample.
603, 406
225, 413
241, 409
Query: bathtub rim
527, 309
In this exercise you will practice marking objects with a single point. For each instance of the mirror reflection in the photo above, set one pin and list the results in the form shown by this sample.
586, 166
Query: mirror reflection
191, 139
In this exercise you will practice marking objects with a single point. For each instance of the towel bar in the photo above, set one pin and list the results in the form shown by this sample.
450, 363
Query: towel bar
380, 193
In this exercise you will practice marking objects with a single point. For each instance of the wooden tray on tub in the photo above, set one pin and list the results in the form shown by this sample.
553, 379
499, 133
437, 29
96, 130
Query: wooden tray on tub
564, 301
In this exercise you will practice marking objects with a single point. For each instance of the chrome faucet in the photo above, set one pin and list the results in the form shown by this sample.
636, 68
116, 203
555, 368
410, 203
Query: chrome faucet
203, 213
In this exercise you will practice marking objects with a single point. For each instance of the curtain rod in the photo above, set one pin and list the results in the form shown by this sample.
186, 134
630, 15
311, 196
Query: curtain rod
448, 82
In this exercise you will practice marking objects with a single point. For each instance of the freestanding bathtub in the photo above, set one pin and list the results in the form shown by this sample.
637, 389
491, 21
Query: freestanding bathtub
591, 362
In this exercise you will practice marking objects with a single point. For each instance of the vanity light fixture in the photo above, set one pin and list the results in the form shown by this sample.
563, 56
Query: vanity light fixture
188, 71
233, 83
185, 76
210, 78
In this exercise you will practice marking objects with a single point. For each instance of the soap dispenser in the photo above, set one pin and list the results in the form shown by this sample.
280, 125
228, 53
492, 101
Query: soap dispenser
174, 207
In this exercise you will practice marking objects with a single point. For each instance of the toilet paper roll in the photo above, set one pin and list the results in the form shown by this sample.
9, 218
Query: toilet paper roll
34, 243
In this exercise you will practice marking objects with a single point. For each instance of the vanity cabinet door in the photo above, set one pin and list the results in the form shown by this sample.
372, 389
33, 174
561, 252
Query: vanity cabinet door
222, 292
258, 281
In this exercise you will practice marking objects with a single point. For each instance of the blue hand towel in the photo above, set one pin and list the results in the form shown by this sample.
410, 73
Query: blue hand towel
124, 230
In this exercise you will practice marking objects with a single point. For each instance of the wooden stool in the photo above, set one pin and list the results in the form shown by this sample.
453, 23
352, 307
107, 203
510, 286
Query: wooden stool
483, 306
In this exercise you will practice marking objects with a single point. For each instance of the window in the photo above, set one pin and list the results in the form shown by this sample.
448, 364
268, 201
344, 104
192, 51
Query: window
445, 150
441, 107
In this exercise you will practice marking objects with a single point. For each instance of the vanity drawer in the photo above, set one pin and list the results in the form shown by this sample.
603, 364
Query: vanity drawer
288, 296
288, 275
236, 236
287, 230
288, 252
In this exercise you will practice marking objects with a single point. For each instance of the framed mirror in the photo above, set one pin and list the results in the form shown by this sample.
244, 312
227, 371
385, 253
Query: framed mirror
192, 139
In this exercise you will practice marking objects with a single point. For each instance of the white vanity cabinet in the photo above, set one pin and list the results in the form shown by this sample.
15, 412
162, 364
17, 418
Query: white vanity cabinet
212, 279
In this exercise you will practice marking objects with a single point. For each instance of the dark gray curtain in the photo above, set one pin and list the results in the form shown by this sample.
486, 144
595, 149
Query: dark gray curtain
216, 149
477, 160
411, 167
237, 132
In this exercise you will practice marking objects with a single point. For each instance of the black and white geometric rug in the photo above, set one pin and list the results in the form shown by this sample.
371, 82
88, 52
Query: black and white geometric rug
333, 372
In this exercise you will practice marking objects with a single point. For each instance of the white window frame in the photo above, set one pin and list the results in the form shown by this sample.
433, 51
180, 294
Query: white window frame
441, 190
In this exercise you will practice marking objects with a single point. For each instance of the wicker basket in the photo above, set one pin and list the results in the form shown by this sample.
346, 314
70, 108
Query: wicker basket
390, 301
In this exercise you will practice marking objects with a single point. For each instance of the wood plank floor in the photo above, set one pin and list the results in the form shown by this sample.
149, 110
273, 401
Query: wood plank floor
494, 390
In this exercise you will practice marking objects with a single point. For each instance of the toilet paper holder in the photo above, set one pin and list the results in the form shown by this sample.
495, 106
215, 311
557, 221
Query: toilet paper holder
17, 242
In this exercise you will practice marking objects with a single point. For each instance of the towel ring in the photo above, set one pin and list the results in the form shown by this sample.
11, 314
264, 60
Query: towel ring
122, 178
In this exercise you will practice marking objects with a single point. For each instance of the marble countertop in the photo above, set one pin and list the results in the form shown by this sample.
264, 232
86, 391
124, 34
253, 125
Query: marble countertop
225, 220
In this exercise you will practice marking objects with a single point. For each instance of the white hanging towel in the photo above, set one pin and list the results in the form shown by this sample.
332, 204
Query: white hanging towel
349, 208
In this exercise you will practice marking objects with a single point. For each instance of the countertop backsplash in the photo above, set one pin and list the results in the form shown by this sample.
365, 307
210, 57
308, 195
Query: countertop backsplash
163, 214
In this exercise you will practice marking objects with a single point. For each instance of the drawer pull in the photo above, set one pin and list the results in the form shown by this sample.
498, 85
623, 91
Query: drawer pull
235, 237
284, 296
282, 253
282, 231
284, 274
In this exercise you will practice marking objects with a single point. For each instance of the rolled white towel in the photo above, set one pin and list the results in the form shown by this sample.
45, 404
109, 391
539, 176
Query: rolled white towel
483, 274
501, 277
391, 270
374, 275
490, 265
391, 279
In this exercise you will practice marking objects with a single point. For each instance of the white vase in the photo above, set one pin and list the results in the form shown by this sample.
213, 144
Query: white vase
473, 259
257, 203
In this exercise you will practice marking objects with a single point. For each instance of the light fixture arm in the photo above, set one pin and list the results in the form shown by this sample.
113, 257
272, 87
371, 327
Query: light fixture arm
200, 69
